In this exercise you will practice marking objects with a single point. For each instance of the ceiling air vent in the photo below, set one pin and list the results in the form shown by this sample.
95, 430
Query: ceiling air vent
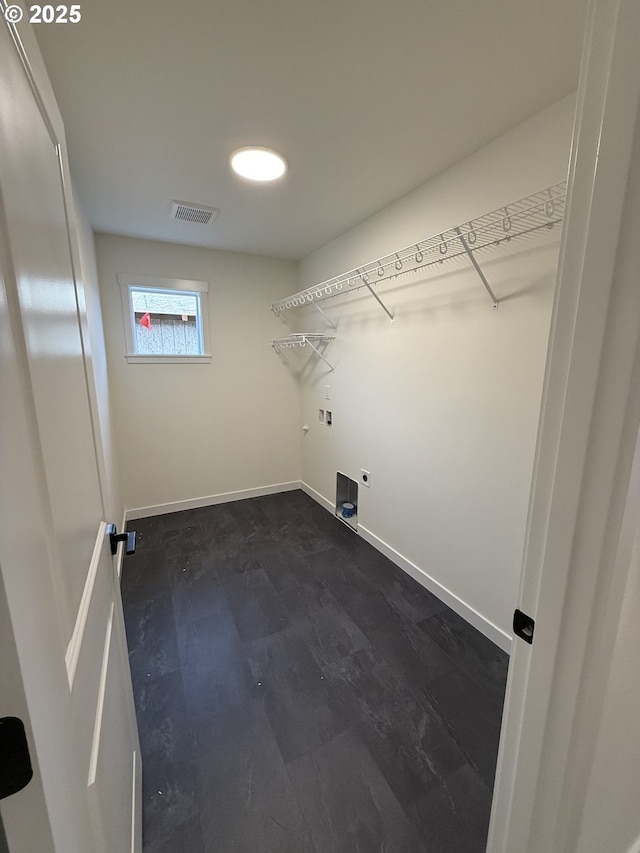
188, 212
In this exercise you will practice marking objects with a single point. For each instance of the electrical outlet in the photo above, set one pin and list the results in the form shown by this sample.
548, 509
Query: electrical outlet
365, 478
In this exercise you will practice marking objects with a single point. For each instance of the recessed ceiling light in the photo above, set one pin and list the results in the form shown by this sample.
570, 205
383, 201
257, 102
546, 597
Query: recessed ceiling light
258, 164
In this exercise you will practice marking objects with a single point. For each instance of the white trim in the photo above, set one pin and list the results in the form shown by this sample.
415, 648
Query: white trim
201, 288
120, 552
570, 579
72, 654
318, 498
495, 634
102, 691
134, 783
210, 500
168, 359
153, 281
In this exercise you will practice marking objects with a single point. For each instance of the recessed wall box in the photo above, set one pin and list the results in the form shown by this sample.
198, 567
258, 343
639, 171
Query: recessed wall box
347, 500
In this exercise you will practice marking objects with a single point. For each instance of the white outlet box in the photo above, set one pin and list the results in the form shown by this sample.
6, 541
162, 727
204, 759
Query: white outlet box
365, 477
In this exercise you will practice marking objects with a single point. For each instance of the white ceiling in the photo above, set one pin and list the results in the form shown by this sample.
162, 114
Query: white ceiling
367, 99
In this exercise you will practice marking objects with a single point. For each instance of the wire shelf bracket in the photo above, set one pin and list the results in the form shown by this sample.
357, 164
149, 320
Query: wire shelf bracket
541, 210
380, 302
328, 319
302, 340
477, 268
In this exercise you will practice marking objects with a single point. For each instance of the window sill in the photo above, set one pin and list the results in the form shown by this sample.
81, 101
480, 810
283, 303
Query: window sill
168, 359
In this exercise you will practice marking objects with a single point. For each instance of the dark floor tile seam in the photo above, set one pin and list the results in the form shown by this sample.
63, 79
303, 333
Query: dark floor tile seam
469, 759
244, 645
353, 730
340, 727
458, 740
356, 737
419, 697
381, 647
469, 672
303, 816
455, 666
428, 702
437, 780
161, 843
375, 588
464, 673
194, 720
374, 642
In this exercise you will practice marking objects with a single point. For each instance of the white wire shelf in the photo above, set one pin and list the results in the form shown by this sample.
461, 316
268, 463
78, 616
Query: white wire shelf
542, 210
302, 339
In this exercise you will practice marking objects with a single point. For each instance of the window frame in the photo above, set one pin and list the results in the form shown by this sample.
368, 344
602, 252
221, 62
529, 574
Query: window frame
148, 282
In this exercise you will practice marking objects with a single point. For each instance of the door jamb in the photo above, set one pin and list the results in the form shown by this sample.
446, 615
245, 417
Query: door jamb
571, 579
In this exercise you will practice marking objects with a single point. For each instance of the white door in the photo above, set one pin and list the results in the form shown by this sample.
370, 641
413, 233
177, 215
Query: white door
64, 668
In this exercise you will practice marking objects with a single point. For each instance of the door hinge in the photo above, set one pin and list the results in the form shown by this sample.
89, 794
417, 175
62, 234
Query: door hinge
523, 626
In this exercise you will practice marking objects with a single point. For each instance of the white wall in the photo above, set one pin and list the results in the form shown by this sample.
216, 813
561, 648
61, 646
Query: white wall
442, 407
190, 431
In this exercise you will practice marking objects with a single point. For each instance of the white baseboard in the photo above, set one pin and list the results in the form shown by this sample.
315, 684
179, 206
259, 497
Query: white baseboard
330, 507
495, 634
209, 500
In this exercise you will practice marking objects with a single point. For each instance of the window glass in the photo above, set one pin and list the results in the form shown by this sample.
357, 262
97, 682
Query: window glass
165, 319
166, 322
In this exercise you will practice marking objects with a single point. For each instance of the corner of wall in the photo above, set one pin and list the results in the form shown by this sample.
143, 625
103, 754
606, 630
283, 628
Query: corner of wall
99, 391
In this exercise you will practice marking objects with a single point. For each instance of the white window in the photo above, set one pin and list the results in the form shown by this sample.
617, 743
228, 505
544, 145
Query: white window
165, 319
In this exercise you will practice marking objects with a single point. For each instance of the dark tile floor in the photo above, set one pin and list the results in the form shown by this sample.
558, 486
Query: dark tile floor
297, 692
